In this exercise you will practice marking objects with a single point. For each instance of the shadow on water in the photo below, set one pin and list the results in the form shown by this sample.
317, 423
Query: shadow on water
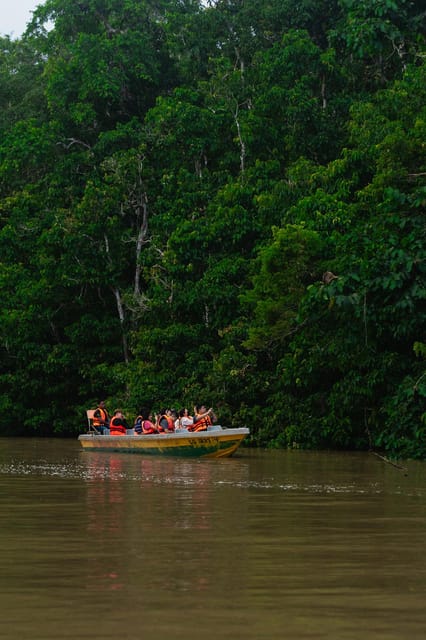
268, 544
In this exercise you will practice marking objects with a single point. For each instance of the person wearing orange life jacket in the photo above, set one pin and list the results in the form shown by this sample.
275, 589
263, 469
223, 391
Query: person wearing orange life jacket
118, 424
143, 423
165, 421
203, 418
100, 419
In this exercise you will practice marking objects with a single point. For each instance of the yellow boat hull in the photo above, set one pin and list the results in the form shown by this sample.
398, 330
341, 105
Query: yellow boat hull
215, 443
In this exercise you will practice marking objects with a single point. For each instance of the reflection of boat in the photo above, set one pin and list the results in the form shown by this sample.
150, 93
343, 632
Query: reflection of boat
216, 442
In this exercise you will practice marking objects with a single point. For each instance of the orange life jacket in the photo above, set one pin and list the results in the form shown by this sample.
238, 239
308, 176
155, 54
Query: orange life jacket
116, 429
170, 422
146, 426
102, 420
201, 424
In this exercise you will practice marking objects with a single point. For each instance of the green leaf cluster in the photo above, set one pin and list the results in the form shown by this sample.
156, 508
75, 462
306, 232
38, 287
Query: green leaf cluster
218, 202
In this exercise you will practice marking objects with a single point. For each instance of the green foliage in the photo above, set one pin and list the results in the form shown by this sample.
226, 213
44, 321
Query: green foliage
381, 36
220, 202
22, 94
287, 267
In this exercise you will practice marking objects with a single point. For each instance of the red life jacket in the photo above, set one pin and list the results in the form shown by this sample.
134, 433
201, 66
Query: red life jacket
116, 429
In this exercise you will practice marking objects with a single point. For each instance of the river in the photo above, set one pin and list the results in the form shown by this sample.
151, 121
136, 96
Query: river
265, 545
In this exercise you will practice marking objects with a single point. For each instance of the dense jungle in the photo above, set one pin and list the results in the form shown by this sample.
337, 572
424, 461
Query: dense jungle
218, 202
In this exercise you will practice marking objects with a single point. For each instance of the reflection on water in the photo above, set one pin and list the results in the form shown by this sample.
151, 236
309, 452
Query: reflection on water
263, 545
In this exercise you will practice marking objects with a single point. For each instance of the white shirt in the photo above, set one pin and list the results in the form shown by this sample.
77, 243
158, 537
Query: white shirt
183, 423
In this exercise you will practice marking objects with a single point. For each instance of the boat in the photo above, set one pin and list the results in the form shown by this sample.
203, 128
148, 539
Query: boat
215, 442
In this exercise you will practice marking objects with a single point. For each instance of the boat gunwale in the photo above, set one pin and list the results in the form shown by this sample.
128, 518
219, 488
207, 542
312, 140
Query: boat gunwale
199, 435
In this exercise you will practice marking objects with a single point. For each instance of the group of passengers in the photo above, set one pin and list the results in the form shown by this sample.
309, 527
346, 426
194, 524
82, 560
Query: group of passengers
166, 421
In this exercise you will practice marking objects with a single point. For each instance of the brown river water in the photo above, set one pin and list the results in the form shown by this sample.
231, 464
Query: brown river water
262, 546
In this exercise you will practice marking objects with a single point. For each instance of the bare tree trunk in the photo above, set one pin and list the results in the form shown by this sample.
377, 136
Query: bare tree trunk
120, 307
364, 316
122, 317
206, 315
324, 99
241, 141
142, 216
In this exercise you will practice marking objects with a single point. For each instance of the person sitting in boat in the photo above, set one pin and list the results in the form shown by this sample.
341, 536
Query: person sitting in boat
203, 418
143, 423
165, 421
184, 420
174, 416
100, 419
118, 424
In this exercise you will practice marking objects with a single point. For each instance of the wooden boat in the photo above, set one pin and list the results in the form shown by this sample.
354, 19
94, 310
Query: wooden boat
216, 442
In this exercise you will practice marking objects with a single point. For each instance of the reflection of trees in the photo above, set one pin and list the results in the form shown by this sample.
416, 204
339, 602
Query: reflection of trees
105, 520
154, 522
